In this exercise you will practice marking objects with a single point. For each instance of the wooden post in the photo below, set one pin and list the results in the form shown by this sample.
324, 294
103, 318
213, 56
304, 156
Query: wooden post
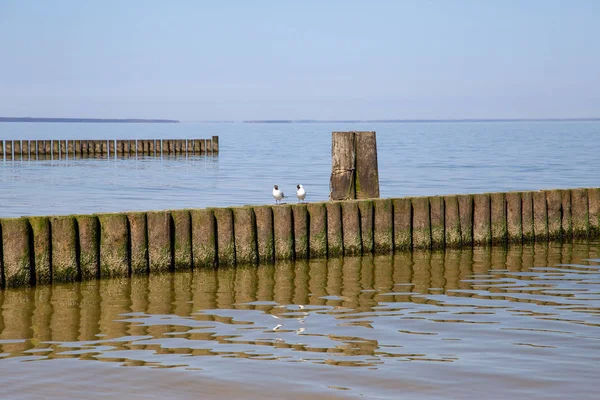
367, 172
343, 163
215, 144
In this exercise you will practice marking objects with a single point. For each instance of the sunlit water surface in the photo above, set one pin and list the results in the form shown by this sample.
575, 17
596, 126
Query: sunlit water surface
414, 159
484, 323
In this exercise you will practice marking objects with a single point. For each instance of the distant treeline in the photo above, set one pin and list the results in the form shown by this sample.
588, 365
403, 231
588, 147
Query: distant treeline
354, 121
95, 120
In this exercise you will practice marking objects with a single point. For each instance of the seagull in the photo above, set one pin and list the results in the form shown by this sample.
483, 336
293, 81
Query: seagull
301, 193
277, 194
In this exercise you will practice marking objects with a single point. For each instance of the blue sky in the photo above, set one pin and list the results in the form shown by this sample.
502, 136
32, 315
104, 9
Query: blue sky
236, 60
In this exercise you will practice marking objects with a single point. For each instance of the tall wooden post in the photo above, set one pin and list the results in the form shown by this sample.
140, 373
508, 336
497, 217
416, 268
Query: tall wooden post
354, 170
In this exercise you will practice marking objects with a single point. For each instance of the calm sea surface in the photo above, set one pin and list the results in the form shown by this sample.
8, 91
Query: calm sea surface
522, 323
414, 159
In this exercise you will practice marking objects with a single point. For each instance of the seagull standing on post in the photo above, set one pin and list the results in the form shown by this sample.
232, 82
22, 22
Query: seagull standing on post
300, 192
277, 194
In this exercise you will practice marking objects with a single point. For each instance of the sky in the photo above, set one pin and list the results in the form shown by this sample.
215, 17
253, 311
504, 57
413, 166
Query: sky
195, 60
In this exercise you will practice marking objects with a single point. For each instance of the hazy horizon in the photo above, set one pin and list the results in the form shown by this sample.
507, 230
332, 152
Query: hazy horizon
267, 60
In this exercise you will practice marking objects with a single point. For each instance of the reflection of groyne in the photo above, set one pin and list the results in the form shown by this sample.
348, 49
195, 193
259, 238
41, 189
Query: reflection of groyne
70, 248
57, 149
81, 312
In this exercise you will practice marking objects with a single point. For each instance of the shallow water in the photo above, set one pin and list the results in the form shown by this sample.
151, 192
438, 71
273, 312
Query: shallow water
414, 159
482, 323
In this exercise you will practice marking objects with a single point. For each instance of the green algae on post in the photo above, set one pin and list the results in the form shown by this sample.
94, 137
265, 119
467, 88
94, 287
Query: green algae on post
283, 230
317, 237
301, 227
138, 242
42, 243
204, 240
499, 228
114, 245
567, 215
182, 239
245, 235
482, 233
436, 214
16, 252
367, 220
527, 216
335, 244
383, 226
160, 256
580, 210
465, 209
88, 228
540, 216
402, 222
594, 211
351, 228
451, 222
64, 249
225, 236
514, 215
264, 233
554, 201
421, 223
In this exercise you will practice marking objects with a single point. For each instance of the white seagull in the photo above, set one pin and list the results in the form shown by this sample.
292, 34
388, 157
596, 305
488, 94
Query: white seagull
277, 194
300, 192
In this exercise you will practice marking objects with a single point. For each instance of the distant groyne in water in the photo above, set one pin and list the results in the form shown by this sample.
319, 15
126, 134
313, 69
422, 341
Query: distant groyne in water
56, 149
46, 249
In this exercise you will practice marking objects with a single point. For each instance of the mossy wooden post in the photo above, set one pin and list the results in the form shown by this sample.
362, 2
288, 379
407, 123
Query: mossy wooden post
482, 232
580, 211
465, 209
100, 146
170, 148
208, 146
283, 229
203, 146
151, 147
160, 243
317, 237
42, 244
197, 146
514, 215
63, 148
451, 222
41, 148
244, 229
436, 214
382, 226
204, 240
93, 148
84, 147
351, 228
403, 223
55, 148
594, 212
499, 226
88, 228
554, 202
17, 255
215, 144
540, 216
114, 245
527, 216
65, 266
48, 147
70, 148
32, 149
182, 239
421, 223
77, 148
367, 220
25, 149
225, 236
367, 171
1, 150
126, 149
111, 148
139, 147
158, 147
138, 242
264, 233
343, 164
567, 216
335, 244
17, 149
104, 147
132, 147
301, 231
8, 147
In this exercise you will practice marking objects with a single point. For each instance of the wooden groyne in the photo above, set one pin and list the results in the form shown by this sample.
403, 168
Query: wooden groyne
37, 250
56, 149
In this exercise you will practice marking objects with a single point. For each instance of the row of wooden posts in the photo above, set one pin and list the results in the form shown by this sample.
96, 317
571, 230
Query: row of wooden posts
70, 248
34, 149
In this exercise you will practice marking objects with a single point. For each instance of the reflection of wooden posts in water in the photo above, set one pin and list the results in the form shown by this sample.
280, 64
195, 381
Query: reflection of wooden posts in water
354, 169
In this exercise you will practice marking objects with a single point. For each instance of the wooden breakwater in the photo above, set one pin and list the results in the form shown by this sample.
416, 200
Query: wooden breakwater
57, 149
37, 250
